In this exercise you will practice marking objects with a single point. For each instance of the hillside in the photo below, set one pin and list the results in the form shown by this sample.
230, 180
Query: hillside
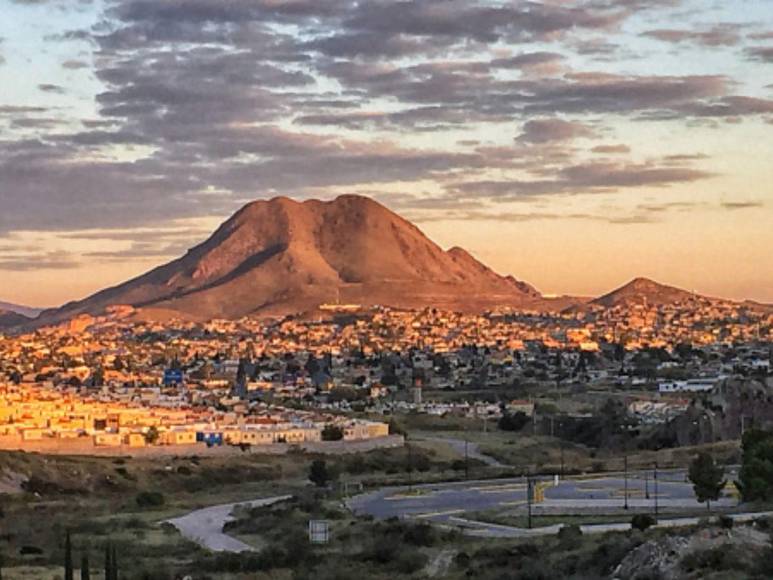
27, 311
282, 256
639, 291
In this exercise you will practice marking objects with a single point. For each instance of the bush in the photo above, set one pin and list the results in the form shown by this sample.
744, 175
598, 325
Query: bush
642, 521
410, 561
570, 535
422, 534
150, 499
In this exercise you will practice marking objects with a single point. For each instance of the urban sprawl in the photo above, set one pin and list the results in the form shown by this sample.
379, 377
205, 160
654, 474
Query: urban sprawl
112, 381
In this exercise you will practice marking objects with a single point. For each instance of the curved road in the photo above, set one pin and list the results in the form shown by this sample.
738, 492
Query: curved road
450, 502
205, 526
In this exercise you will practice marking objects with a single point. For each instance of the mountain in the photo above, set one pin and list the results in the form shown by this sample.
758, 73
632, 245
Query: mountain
282, 256
27, 311
10, 319
641, 290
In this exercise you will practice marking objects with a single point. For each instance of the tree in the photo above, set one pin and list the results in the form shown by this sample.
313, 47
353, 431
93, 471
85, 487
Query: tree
513, 422
707, 478
68, 570
318, 473
755, 480
332, 433
108, 562
151, 437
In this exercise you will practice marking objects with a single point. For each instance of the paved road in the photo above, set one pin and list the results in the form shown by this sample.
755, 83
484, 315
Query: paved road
473, 450
441, 502
205, 526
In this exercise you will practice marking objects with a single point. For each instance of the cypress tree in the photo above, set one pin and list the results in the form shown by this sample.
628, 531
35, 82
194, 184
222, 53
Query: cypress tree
114, 560
68, 571
108, 562
85, 572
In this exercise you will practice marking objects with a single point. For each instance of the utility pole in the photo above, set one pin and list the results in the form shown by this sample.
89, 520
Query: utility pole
466, 456
646, 485
625, 469
529, 495
656, 490
410, 463
562, 459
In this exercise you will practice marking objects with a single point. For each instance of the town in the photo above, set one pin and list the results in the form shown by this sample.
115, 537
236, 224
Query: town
111, 382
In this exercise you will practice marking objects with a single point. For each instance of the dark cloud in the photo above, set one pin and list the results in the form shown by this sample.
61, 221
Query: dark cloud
50, 88
551, 130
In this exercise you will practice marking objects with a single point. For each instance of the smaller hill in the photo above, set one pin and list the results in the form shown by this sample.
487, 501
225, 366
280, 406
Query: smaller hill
27, 311
9, 319
641, 290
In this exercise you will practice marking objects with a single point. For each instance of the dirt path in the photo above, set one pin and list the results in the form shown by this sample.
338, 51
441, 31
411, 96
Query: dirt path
440, 564
458, 445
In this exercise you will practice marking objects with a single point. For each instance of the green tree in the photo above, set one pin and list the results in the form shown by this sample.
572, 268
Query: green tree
108, 562
318, 473
151, 436
68, 570
755, 480
707, 478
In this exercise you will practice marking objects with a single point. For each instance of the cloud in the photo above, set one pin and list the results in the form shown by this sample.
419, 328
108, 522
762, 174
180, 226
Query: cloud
22, 262
725, 34
551, 130
760, 53
50, 88
736, 205
592, 177
74, 64
611, 149
211, 103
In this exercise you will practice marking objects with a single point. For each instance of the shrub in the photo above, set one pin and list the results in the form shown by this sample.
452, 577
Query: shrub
150, 499
642, 521
410, 561
570, 535
726, 522
422, 534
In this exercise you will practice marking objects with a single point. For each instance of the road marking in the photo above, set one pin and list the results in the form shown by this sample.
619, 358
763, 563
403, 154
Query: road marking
436, 514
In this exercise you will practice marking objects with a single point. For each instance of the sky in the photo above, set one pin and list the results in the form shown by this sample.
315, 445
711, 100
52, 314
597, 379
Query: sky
574, 144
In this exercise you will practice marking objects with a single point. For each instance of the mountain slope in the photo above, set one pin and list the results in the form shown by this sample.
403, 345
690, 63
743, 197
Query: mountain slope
281, 256
10, 319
